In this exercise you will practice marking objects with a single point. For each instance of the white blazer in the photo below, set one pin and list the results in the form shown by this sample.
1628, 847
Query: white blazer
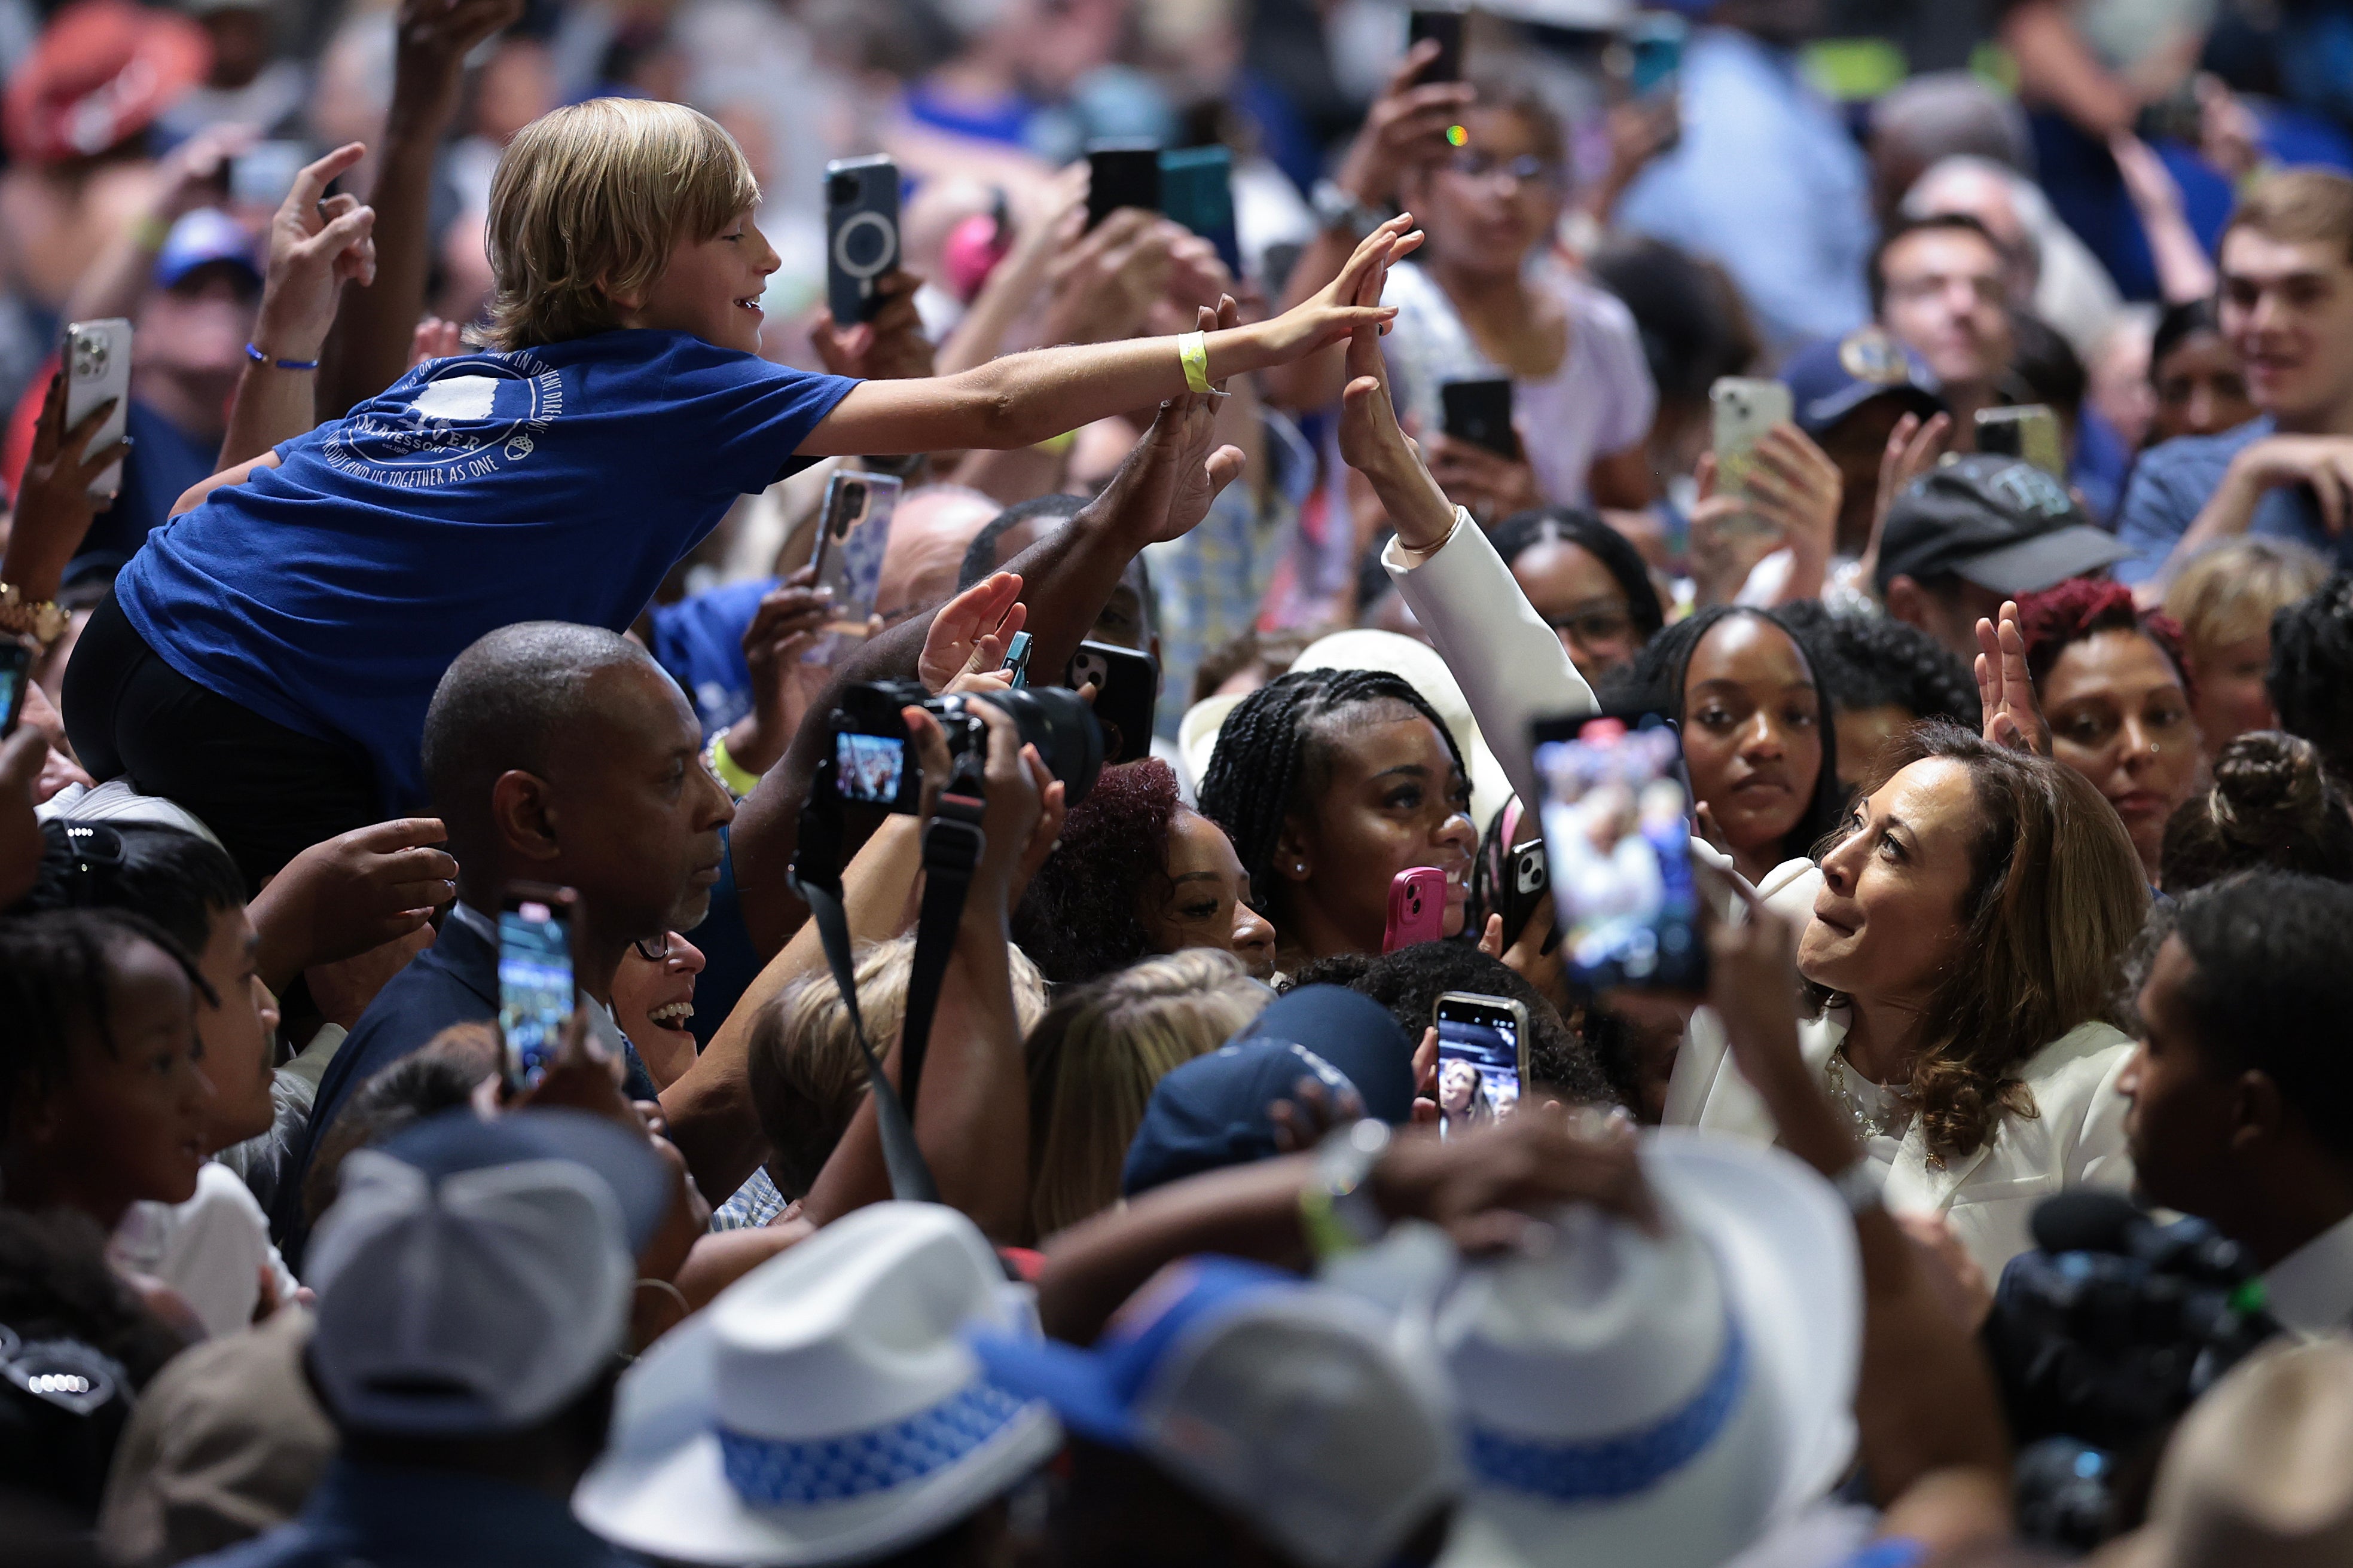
2076, 1137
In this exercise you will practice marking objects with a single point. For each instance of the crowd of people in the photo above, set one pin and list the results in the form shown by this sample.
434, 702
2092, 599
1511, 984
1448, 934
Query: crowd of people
647, 918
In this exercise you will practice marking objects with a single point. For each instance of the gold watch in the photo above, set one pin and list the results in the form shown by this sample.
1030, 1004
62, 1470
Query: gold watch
44, 620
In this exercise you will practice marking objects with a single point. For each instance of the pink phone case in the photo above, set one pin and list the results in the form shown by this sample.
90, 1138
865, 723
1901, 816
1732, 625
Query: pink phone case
1416, 908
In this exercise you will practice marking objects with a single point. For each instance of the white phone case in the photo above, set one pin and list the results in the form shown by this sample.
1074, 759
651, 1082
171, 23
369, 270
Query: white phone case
1744, 408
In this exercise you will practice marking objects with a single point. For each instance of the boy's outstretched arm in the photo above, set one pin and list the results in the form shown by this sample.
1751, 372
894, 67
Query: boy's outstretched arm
1028, 397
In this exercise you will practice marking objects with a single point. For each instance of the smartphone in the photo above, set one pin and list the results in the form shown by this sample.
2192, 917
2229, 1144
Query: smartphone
98, 367
1122, 174
1482, 1058
16, 674
1016, 660
1127, 688
861, 233
853, 530
1744, 409
1479, 412
1197, 189
2029, 432
1416, 908
536, 991
1446, 26
1654, 47
262, 175
1526, 882
1617, 826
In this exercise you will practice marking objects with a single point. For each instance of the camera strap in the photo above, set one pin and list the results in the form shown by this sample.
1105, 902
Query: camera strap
815, 876
953, 843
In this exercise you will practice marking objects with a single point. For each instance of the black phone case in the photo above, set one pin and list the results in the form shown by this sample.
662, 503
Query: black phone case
1124, 702
1479, 412
862, 235
1122, 174
1446, 26
1528, 883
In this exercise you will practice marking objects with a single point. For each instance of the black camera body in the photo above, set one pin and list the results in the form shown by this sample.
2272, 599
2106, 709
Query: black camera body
874, 765
2100, 1338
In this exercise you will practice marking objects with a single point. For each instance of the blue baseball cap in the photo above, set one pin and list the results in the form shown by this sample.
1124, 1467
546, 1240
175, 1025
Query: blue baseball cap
199, 239
1212, 1113
1828, 381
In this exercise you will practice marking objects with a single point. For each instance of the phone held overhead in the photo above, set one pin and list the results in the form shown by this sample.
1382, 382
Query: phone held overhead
862, 235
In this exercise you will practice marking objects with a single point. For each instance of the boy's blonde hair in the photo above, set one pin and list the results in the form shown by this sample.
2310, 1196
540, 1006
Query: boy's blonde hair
1096, 1058
2227, 593
590, 201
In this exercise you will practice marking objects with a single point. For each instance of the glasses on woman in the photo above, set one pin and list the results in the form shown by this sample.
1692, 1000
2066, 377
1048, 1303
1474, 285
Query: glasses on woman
1527, 169
652, 949
1592, 627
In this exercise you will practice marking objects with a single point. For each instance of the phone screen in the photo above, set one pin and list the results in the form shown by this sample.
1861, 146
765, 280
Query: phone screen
868, 768
1617, 822
1478, 1062
536, 988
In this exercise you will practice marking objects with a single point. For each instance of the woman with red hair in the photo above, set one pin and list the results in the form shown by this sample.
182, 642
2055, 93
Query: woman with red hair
2112, 685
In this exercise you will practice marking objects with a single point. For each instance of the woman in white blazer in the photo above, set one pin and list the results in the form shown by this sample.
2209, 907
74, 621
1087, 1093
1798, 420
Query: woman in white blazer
1961, 945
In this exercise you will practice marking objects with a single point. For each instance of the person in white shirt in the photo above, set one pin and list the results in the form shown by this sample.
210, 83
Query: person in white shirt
2241, 1093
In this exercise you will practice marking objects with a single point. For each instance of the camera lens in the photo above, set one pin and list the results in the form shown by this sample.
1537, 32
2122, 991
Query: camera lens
1062, 726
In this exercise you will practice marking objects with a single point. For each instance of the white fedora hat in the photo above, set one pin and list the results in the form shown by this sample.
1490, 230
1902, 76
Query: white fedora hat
1627, 1398
825, 1408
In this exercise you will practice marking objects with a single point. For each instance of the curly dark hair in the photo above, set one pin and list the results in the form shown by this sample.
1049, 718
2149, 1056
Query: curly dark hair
2058, 617
1080, 918
57, 973
1655, 685
2056, 897
1273, 757
1410, 982
1874, 661
2311, 678
2272, 804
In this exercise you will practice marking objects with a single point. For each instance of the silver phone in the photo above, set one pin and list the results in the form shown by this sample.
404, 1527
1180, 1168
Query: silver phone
98, 367
1744, 409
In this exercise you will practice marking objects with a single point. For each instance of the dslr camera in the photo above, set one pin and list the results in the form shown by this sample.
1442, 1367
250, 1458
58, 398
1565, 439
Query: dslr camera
2100, 1338
874, 766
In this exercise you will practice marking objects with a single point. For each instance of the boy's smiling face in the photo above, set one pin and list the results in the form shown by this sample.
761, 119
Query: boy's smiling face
710, 288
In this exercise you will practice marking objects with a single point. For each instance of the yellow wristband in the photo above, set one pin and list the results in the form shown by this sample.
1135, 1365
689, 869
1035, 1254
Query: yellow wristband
1055, 445
739, 782
1193, 352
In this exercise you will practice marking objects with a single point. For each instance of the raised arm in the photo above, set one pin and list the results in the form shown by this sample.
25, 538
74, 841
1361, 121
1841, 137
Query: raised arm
1025, 398
377, 324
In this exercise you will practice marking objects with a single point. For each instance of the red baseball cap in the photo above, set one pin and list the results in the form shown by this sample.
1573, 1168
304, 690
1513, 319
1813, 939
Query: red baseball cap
102, 72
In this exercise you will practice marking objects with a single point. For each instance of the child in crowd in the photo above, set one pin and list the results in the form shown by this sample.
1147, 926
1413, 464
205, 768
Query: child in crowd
268, 658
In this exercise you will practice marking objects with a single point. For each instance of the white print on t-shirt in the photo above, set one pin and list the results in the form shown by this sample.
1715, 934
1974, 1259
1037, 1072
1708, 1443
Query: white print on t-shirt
449, 421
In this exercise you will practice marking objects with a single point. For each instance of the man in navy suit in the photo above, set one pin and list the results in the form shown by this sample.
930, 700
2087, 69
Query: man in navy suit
555, 753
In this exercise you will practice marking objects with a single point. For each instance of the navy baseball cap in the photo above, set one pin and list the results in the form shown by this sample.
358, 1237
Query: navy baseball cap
1996, 521
1828, 381
1212, 1113
200, 238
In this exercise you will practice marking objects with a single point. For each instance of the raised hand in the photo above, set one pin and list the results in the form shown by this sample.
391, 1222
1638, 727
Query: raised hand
1371, 440
2014, 717
315, 247
790, 618
1204, 467
1404, 130
971, 632
1343, 305
353, 893
1913, 448
54, 506
435, 339
433, 39
891, 347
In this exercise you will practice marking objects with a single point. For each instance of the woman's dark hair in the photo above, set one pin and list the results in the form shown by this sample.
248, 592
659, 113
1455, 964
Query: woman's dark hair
2056, 896
1523, 531
1655, 685
2180, 323
2272, 804
1079, 918
57, 972
1410, 982
1274, 757
2058, 617
440, 1077
1694, 325
2311, 678
1874, 661
2043, 367
174, 878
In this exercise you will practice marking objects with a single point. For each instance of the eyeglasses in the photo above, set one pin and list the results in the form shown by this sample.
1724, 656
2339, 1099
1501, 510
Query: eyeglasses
1592, 627
652, 949
1527, 169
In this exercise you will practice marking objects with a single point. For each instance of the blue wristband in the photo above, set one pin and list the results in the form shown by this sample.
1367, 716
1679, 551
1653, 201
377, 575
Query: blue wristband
257, 357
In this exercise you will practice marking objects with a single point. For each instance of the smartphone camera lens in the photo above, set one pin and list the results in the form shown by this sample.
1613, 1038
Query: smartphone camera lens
841, 190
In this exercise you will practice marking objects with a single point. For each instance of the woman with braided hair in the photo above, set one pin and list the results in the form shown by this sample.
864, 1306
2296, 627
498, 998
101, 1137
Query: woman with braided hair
1331, 782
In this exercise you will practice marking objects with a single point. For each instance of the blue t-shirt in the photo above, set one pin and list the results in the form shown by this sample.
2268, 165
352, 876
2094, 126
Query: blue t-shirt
700, 640
557, 483
2172, 483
